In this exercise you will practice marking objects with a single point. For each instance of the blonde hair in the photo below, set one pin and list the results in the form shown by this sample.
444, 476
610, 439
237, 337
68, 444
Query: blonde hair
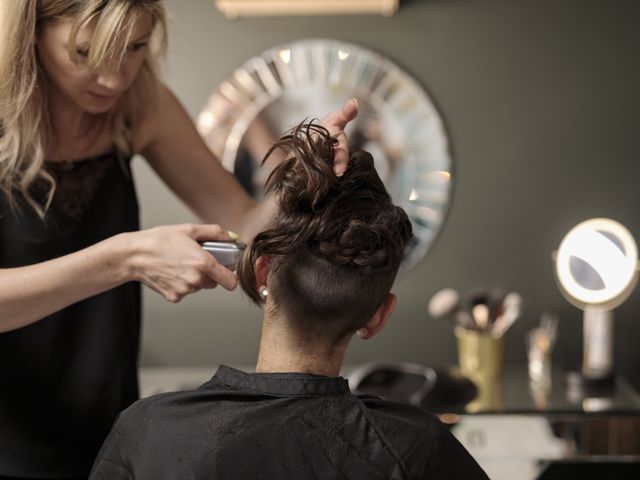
24, 118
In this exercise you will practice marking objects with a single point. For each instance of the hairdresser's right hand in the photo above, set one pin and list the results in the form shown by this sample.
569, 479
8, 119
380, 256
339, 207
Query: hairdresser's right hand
171, 261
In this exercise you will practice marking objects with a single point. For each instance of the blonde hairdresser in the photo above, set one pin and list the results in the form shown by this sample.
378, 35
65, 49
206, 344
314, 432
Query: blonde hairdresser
79, 95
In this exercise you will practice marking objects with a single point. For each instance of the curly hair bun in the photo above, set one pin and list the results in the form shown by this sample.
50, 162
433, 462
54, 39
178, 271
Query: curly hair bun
348, 220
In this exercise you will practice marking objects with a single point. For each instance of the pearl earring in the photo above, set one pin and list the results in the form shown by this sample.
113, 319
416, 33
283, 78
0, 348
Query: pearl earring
363, 332
263, 291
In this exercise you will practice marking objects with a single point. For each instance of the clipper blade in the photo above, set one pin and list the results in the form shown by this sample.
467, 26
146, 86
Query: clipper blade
227, 253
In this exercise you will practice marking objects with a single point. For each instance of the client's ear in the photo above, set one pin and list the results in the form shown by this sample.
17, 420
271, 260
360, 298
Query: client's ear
262, 266
380, 318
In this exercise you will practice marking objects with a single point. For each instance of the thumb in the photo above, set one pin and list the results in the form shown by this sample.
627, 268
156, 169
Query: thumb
349, 111
337, 121
205, 232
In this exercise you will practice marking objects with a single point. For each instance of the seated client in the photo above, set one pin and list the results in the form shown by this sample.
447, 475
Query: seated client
322, 272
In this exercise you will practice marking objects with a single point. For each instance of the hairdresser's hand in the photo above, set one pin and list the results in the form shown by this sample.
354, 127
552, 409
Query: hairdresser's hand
170, 260
335, 123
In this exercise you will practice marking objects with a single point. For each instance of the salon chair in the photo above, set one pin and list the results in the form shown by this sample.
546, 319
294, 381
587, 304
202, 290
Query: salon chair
414, 384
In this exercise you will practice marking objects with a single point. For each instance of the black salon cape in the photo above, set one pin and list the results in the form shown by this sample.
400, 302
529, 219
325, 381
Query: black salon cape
279, 426
64, 378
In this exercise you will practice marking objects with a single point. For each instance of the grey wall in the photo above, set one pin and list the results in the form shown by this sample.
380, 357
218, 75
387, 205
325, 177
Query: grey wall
541, 101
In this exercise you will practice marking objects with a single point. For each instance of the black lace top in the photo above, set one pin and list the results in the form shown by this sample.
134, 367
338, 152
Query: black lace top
64, 379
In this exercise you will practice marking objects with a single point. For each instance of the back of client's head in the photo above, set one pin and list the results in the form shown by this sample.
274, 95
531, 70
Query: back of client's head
336, 244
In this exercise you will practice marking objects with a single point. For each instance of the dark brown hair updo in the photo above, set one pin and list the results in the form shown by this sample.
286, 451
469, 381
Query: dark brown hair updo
336, 243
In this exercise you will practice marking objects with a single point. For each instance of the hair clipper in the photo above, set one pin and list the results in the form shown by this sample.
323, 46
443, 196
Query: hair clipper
227, 253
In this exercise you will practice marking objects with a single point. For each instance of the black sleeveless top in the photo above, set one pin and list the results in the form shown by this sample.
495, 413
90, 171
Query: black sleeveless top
64, 379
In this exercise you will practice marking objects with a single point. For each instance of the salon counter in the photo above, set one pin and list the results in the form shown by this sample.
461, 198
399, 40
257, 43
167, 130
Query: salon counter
527, 431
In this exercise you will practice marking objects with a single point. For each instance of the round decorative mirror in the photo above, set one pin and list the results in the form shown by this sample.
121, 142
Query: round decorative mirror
397, 122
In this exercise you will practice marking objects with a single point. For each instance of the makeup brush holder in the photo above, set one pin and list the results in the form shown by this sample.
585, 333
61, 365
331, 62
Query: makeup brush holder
481, 358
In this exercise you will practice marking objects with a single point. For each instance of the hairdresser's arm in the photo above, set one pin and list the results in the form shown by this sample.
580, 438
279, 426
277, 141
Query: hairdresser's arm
167, 259
169, 141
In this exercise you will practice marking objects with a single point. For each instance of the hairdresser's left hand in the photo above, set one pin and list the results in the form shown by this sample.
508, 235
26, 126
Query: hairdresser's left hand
335, 123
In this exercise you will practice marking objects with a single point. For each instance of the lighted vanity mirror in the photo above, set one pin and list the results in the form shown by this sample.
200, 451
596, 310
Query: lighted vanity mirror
397, 122
596, 267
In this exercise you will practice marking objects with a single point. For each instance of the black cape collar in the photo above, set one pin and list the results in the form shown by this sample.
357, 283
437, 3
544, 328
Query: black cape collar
282, 384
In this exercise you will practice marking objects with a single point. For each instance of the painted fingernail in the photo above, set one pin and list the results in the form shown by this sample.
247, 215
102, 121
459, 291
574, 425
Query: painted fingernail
233, 235
339, 173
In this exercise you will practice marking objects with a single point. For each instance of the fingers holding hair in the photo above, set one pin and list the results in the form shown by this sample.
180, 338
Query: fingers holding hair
335, 123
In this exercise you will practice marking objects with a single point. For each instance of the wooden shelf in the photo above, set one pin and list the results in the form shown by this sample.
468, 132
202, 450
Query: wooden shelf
254, 8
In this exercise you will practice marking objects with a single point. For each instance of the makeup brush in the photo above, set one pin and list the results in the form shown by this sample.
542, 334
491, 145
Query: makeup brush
495, 304
478, 305
512, 305
480, 314
446, 304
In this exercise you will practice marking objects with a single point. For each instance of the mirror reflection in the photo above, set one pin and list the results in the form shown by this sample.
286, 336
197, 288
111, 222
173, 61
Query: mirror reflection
397, 122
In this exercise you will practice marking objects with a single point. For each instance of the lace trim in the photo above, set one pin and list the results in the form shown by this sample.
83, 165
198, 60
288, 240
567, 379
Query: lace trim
77, 183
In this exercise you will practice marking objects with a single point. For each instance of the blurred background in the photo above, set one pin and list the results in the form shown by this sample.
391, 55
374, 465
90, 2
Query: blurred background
540, 100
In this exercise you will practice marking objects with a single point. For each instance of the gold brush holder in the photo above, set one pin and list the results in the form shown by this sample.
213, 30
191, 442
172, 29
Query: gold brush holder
480, 356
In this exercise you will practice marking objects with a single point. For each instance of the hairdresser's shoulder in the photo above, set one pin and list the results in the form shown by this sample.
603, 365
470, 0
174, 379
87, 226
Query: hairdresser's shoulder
426, 445
160, 109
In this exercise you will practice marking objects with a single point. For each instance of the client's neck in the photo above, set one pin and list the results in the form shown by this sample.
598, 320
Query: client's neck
282, 351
